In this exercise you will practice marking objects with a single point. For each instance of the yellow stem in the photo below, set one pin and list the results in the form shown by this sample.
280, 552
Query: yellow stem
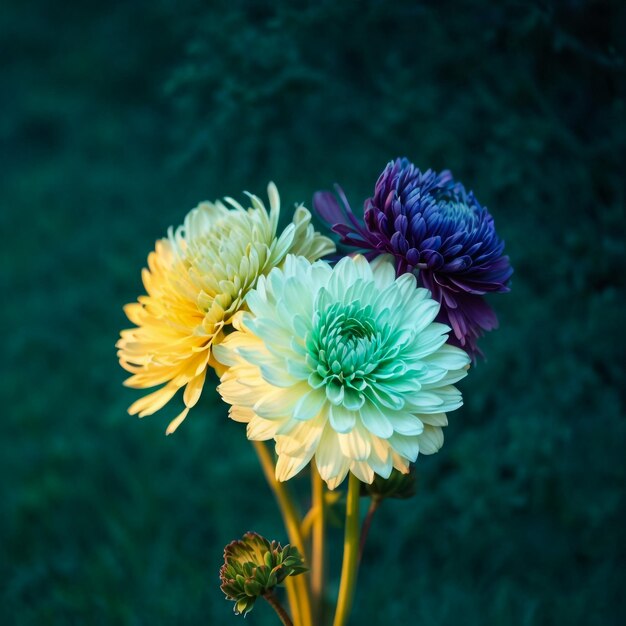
292, 599
350, 553
297, 586
317, 550
307, 523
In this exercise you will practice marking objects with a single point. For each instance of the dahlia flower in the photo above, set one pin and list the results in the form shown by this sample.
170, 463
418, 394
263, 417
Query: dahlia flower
197, 279
343, 363
432, 227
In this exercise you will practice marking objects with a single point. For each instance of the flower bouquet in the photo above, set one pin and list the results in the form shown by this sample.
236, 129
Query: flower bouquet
348, 365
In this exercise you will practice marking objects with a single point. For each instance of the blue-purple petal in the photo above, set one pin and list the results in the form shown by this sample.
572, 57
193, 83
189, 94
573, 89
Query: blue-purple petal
429, 221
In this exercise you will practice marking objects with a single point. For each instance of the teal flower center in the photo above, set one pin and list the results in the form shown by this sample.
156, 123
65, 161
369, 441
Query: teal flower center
343, 349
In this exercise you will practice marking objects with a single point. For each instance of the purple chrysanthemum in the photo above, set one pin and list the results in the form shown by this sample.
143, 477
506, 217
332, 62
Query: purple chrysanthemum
434, 228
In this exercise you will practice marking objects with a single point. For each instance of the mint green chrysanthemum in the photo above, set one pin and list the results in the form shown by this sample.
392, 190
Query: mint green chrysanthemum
343, 363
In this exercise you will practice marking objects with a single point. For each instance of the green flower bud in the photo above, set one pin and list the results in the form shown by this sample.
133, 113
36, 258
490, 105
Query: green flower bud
398, 485
253, 567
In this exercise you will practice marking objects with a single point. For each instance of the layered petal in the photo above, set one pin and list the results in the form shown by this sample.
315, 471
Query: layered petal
196, 284
435, 229
345, 365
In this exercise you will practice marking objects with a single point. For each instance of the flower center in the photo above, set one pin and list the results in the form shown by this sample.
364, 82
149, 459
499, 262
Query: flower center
459, 212
345, 349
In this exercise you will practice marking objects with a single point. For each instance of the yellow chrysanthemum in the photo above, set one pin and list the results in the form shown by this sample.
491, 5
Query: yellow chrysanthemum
196, 281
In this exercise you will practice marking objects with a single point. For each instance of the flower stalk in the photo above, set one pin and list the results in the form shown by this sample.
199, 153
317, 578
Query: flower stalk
318, 547
272, 600
350, 564
297, 588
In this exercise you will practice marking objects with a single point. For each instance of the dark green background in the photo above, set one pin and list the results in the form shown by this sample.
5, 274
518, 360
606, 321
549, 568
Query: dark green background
118, 117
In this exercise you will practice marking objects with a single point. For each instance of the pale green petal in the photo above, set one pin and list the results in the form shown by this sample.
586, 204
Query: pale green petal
448, 358
280, 401
435, 419
408, 447
309, 405
275, 375
431, 440
384, 270
449, 379
405, 423
341, 419
380, 458
375, 420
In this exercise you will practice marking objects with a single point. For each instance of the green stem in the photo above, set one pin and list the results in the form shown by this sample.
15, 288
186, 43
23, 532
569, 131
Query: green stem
297, 587
277, 606
350, 553
317, 549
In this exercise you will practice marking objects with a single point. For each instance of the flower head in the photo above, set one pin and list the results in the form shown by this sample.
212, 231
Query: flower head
197, 279
432, 227
253, 567
343, 363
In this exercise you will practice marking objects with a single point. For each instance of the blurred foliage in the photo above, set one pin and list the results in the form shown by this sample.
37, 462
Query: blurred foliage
119, 117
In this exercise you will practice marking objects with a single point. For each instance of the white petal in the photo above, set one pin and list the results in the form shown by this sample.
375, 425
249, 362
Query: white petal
259, 429
450, 378
224, 355
435, 419
400, 463
331, 463
310, 404
335, 481
363, 472
279, 401
345, 273
448, 357
275, 375
380, 457
405, 446
429, 340
240, 414
384, 270
405, 423
297, 299
426, 402
356, 444
270, 332
407, 284
375, 421
295, 437
288, 466
341, 419
430, 440
451, 399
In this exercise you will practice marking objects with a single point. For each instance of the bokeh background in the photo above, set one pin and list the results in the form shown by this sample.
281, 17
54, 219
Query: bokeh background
118, 117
